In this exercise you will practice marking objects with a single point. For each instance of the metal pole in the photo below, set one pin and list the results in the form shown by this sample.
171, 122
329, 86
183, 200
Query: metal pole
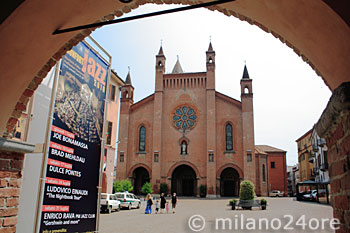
99, 187
45, 152
93, 25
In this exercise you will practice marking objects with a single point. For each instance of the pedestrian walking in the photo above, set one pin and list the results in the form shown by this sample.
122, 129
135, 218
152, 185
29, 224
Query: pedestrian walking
162, 202
167, 207
149, 200
157, 206
173, 202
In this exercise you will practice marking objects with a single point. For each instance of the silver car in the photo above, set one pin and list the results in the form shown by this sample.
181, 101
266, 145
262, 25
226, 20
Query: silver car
276, 193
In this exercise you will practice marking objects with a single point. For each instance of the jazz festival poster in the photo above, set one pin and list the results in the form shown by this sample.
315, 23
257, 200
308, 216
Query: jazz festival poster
72, 173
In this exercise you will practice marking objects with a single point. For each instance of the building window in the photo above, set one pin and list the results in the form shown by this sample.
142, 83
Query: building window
249, 157
272, 164
325, 157
156, 157
142, 138
229, 137
263, 173
121, 157
211, 157
109, 133
112, 92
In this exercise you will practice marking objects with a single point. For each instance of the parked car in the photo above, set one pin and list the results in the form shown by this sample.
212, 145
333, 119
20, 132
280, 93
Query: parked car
128, 200
276, 193
109, 203
310, 196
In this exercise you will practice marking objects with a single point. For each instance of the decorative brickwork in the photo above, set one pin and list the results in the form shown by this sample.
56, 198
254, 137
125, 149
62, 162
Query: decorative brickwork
11, 164
334, 125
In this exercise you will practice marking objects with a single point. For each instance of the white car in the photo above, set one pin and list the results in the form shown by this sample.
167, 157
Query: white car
109, 202
311, 196
128, 200
276, 193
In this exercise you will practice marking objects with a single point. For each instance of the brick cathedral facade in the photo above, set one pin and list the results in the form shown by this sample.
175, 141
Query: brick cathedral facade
187, 134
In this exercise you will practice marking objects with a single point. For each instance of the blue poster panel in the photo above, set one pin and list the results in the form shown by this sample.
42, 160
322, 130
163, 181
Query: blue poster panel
70, 193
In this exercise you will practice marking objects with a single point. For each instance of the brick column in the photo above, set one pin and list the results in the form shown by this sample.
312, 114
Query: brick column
11, 165
334, 125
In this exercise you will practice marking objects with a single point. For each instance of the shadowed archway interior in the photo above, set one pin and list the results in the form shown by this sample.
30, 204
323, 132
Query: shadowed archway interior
229, 182
183, 181
140, 176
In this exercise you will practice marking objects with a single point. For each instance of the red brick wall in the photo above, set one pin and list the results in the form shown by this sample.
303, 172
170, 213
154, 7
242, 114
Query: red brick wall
278, 175
11, 165
338, 143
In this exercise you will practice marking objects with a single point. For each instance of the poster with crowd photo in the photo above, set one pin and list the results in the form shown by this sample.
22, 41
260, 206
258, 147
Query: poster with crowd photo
72, 176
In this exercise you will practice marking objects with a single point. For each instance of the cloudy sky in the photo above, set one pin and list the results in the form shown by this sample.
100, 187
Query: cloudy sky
288, 95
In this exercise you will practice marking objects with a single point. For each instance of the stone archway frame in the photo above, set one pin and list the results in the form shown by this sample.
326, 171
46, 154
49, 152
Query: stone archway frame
221, 169
325, 21
191, 165
133, 168
229, 165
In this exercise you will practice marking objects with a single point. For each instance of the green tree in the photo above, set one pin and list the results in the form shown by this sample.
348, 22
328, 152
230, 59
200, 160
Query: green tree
164, 188
247, 190
147, 188
122, 186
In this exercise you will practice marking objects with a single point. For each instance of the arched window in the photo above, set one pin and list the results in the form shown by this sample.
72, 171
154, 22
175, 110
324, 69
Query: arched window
142, 138
229, 137
263, 173
246, 90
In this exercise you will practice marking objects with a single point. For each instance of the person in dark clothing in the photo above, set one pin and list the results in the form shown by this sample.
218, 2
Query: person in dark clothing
162, 202
173, 202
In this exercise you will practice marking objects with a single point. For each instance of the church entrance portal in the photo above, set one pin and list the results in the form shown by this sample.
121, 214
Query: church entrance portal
140, 177
229, 182
183, 181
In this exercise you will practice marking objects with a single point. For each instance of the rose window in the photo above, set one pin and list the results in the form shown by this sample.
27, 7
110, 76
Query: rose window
184, 118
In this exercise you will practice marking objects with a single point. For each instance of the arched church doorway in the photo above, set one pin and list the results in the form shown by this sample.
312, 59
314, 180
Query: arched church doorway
183, 181
229, 182
140, 177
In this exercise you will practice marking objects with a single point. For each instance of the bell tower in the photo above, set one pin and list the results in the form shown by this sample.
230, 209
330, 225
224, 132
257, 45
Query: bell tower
160, 70
249, 167
126, 100
157, 120
127, 91
211, 123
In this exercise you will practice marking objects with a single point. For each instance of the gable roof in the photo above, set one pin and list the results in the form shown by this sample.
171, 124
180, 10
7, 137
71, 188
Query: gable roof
143, 101
228, 99
267, 148
258, 151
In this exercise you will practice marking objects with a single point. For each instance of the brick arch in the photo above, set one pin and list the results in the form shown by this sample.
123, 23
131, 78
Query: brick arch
272, 16
174, 166
133, 168
229, 165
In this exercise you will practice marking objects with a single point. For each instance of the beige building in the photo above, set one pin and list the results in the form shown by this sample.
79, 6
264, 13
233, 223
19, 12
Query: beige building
305, 157
112, 115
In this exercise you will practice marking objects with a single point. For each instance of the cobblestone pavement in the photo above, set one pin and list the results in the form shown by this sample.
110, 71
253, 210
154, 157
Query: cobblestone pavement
280, 212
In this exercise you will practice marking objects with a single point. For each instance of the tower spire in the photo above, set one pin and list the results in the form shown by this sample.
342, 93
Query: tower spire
245, 72
210, 47
128, 78
161, 50
177, 68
